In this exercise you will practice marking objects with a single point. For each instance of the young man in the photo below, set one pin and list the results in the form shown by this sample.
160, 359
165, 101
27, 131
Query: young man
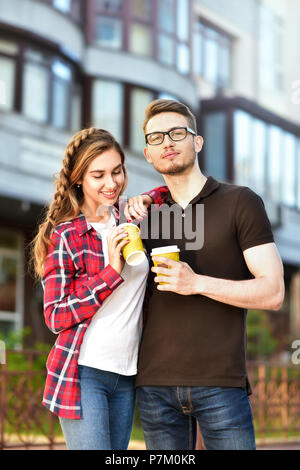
192, 364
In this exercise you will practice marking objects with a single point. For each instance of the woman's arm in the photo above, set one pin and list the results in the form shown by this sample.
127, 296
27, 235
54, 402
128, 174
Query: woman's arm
158, 195
64, 306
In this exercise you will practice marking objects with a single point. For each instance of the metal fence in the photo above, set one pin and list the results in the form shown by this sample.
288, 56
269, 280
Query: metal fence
275, 399
26, 423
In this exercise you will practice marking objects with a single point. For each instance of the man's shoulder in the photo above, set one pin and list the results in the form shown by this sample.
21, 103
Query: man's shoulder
238, 198
230, 190
236, 191
231, 187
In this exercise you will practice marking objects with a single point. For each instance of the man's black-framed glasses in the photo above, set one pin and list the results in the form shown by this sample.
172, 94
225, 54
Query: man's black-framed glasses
175, 134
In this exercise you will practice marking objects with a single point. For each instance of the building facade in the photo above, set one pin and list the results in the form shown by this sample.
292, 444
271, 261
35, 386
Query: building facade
68, 64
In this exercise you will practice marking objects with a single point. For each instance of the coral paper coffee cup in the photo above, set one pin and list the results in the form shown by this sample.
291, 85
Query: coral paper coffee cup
133, 252
171, 251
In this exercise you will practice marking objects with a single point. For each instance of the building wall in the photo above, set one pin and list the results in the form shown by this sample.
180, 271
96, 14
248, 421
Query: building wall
243, 22
39, 18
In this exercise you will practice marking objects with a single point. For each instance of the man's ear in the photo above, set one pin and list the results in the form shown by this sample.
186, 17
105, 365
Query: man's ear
147, 156
198, 143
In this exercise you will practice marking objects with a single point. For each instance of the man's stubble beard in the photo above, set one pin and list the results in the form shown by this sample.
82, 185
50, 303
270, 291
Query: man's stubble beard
176, 168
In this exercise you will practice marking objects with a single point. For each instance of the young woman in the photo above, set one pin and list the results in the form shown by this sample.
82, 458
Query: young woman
92, 299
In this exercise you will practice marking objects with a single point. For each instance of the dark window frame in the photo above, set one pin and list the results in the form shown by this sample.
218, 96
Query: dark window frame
31, 41
229, 106
14, 58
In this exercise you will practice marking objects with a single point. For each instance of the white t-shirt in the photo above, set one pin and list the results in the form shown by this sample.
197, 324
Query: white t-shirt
112, 339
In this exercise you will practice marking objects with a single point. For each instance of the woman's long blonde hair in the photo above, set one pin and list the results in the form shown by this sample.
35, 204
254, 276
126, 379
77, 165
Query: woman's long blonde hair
84, 146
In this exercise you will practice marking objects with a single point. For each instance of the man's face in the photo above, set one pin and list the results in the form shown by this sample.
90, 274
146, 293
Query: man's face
171, 157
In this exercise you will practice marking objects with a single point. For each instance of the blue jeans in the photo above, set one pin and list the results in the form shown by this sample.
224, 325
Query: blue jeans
169, 415
107, 401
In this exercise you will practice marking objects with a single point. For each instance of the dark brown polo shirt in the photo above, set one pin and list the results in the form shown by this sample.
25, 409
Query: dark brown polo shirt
194, 340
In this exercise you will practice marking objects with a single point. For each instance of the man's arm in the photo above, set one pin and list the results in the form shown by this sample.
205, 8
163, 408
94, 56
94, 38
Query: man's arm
265, 291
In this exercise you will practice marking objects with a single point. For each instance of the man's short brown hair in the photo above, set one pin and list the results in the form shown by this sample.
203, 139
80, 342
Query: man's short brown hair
169, 106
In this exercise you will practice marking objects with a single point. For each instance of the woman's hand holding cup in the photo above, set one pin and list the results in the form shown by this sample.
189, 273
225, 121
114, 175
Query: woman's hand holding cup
115, 243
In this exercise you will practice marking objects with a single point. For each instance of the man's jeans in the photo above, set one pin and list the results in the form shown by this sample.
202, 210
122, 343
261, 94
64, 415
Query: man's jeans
169, 415
107, 401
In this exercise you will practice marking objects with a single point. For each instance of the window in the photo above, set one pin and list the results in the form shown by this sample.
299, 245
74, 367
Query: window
7, 80
259, 133
158, 29
167, 96
62, 77
183, 58
173, 34
69, 7
109, 32
8, 52
109, 6
298, 174
51, 91
50, 94
198, 51
166, 49
142, 9
166, 17
275, 153
242, 148
10, 282
140, 27
140, 39
289, 170
76, 105
109, 25
250, 151
265, 158
107, 107
140, 98
183, 20
271, 50
62, 5
212, 55
36, 85
215, 145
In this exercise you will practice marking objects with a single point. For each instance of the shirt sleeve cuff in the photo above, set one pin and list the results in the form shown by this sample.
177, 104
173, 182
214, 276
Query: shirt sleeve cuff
105, 283
157, 194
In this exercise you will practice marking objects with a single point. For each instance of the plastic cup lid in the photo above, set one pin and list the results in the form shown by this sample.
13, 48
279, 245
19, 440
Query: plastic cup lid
165, 249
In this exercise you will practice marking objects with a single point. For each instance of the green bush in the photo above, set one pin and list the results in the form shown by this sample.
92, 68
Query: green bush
17, 361
260, 343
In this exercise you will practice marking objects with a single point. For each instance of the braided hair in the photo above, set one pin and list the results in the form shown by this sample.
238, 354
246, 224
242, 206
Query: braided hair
83, 147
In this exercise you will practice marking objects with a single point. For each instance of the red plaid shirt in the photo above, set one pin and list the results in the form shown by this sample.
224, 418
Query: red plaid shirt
75, 283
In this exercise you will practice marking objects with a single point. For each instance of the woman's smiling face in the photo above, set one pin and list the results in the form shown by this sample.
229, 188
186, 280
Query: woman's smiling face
103, 180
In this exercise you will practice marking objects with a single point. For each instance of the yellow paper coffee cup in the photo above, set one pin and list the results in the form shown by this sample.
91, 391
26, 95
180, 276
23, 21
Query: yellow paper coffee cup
133, 252
171, 251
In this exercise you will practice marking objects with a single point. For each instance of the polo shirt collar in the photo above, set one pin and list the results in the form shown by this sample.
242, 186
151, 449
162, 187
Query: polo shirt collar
209, 187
